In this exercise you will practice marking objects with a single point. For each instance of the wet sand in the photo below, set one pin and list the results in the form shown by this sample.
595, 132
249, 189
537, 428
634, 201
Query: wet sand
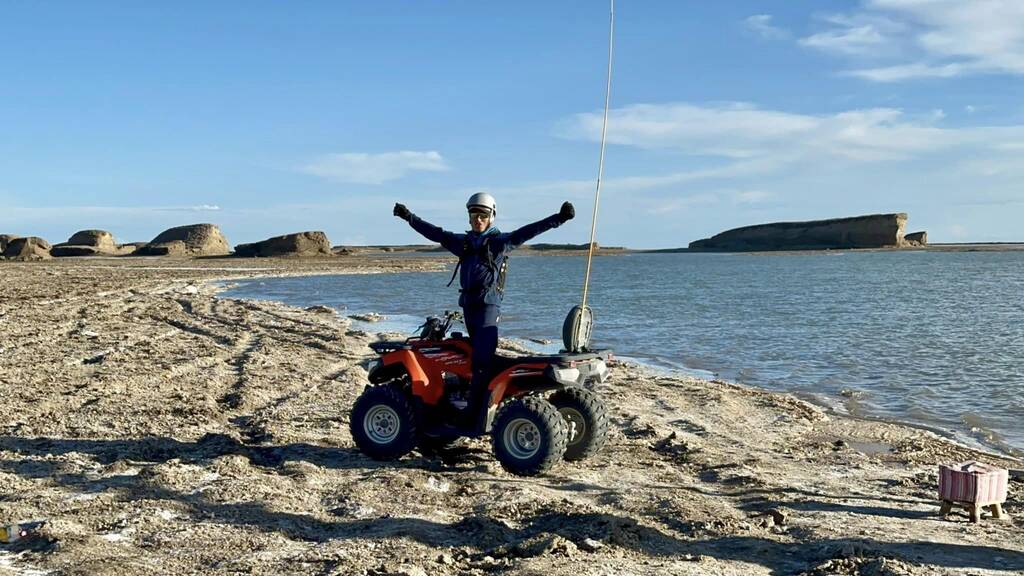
161, 430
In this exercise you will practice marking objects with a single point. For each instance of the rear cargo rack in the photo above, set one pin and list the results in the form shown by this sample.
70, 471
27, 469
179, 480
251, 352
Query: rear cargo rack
386, 346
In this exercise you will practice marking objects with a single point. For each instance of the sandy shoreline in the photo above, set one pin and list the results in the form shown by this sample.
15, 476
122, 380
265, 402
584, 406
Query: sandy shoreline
160, 429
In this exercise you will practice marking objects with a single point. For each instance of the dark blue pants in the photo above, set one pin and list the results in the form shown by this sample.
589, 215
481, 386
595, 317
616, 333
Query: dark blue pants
482, 324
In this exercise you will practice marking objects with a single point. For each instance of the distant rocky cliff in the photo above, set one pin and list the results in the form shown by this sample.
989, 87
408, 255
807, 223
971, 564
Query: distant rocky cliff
873, 231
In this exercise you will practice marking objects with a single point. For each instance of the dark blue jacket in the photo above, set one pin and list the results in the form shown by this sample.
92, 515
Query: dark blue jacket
478, 278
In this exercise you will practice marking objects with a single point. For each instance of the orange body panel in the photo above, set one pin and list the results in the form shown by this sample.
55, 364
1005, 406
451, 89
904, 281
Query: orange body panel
426, 363
504, 383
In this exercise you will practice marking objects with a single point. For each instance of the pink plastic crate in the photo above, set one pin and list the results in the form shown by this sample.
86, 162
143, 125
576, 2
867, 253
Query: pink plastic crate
973, 482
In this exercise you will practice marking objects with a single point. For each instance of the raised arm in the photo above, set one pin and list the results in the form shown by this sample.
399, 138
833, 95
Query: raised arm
450, 241
529, 231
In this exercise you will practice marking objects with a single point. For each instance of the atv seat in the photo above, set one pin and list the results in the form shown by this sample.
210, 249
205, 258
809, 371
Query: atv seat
501, 363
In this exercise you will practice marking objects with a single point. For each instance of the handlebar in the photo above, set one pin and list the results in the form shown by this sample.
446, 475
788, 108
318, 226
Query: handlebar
437, 328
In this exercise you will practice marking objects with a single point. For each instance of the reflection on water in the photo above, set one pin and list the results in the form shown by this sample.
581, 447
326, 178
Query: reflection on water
934, 338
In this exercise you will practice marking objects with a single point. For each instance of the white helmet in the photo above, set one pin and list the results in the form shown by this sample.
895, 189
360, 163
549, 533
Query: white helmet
482, 200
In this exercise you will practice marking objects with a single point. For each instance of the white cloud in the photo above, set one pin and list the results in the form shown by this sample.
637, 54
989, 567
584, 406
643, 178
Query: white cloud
699, 128
676, 203
584, 189
670, 205
761, 24
930, 38
856, 40
742, 131
747, 197
908, 72
363, 168
199, 208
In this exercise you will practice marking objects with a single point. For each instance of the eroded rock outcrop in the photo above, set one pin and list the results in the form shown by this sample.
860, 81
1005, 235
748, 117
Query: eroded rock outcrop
31, 248
191, 240
66, 250
5, 239
872, 231
302, 244
916, 239
102, 240
86, 243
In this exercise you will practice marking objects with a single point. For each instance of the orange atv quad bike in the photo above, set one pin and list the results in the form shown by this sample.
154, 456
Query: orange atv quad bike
539, 410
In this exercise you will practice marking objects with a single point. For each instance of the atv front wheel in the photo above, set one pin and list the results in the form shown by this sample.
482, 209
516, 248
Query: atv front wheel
383, 423
529, 436
587, 418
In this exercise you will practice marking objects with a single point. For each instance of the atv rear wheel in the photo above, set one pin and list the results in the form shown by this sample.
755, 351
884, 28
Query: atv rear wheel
587, 419
383, 423
529, 436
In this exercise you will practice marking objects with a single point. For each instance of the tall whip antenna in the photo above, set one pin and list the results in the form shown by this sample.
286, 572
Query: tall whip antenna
600, 165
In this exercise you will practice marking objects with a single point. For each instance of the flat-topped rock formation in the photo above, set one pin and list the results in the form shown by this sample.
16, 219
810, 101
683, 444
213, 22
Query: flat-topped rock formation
191, 240
872, 231
301, 244
30, 248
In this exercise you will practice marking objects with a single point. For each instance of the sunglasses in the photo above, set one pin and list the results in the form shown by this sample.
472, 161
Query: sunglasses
479, 216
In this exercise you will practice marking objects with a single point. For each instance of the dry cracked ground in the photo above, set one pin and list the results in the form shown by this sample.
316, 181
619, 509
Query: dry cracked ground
161, 430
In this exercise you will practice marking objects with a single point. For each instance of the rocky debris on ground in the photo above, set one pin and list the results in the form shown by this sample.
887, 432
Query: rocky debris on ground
854, 566
190, 240
301, 244
320, 309
212, 436
673, 446
26, 249
368, 317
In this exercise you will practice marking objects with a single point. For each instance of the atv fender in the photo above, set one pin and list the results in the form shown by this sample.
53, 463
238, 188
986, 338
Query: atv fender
421, 386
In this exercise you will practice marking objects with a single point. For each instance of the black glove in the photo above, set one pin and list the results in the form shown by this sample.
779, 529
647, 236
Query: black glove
567, 212
402, 212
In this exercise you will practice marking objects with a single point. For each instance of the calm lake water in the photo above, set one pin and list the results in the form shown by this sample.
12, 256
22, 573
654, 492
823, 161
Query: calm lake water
932, 338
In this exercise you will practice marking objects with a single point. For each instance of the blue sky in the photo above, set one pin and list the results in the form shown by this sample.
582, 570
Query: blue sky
268, 118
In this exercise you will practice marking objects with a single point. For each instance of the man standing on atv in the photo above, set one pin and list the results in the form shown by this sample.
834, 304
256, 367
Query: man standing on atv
483, 260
